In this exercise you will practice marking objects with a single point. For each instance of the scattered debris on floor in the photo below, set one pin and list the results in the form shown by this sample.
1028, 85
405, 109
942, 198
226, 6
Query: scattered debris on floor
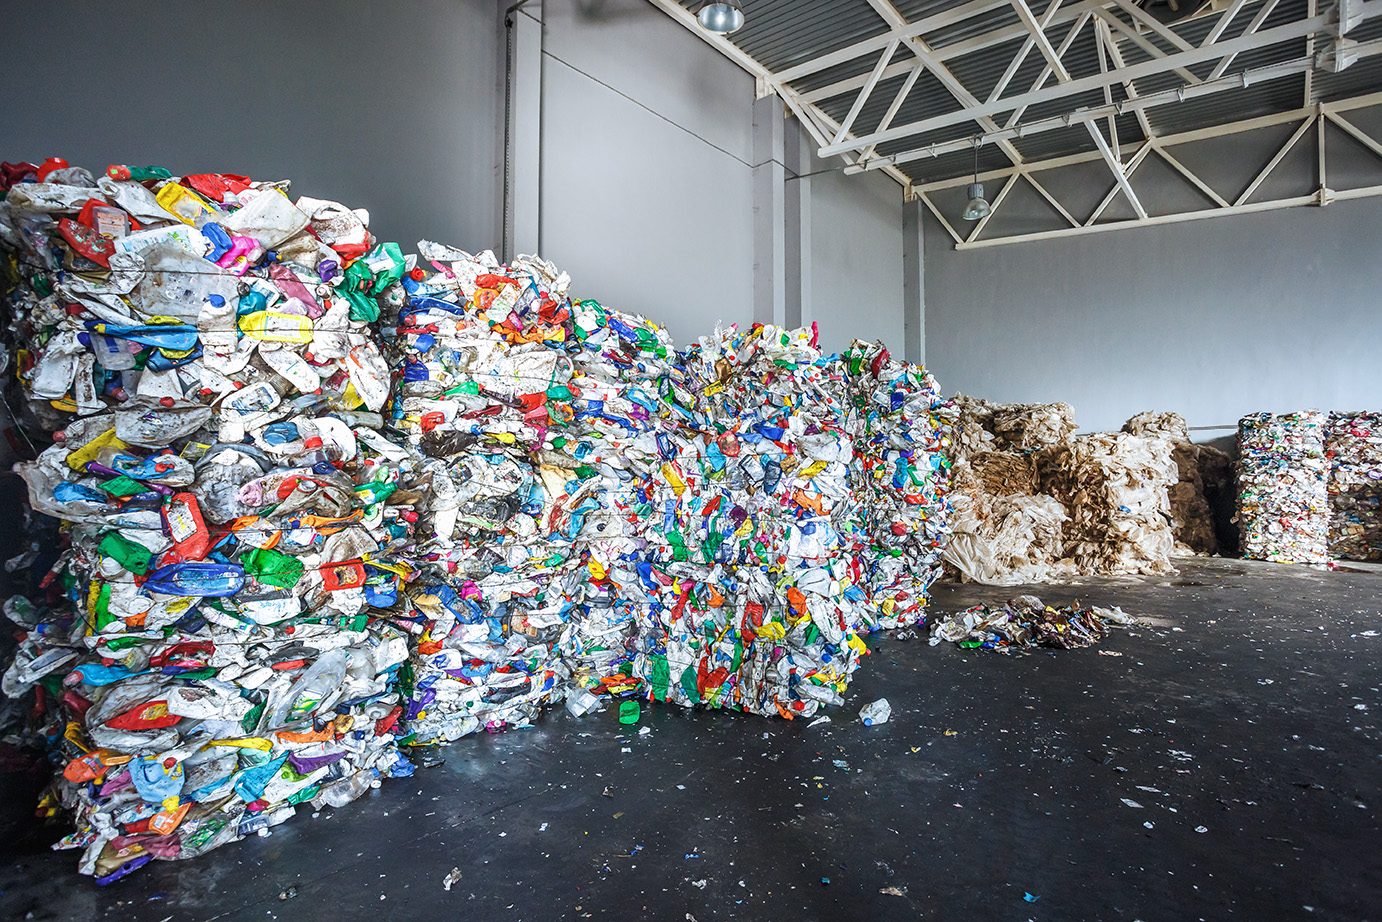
1025, 622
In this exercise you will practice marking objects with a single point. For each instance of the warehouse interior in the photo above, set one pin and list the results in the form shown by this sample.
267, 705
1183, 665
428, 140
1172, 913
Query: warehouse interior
1182, 210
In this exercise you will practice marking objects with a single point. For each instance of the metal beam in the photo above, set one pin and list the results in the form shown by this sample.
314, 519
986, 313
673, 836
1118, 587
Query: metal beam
1021, 55
926, 55
1142, 42
1340, 195
1117, 55
1165, 97
1285, 32
1252, 28
1038, 36
1198, 183
1272, 164
1163, 141
1315, 117
1120, 173
867, 90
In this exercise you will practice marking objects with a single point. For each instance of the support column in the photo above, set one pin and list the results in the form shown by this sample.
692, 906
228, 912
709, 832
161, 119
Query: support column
798, 229
523, 134
913, 282
769, 213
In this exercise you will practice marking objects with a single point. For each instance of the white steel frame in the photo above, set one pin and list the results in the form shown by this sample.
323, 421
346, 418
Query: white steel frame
1048, 29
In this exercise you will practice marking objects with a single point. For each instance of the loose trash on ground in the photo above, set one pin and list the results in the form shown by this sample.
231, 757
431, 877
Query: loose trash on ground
1025, 622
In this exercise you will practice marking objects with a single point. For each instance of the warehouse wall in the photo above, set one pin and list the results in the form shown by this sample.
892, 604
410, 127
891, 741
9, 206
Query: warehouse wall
1213, 319
647, 193
394, 107
646, 165
856, 257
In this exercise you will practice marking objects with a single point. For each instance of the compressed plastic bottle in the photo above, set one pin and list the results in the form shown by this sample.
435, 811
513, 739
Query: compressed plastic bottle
199, 579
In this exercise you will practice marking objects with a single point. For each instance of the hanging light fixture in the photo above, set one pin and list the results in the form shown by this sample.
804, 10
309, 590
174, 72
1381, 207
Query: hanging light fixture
721, 18
978, 206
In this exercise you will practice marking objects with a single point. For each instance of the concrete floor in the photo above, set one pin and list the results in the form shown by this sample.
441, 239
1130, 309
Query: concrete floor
1227, 764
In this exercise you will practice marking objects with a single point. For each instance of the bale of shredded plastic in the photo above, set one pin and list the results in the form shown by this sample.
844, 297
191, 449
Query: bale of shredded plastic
1114, 486
1283, 498
1031, 426
1191, 519
1353, 445
973, 427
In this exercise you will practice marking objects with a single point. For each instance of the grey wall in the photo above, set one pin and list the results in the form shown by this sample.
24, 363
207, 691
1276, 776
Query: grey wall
856, 258
646, 165
393, 107
1212, 319
647, 193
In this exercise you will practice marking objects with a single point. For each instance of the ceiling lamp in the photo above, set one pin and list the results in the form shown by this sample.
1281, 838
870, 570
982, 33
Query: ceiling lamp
977, 206
721, 18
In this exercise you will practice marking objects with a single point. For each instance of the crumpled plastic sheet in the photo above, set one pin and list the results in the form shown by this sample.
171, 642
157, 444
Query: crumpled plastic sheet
215, 641
1026, 622
325, 502
1114, 487
1015, 539
1032, 426
1353, 445
1283, 496
1191, 520
1006, 531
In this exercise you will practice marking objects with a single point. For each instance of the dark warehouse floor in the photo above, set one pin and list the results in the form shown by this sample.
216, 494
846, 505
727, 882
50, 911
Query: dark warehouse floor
1226, 765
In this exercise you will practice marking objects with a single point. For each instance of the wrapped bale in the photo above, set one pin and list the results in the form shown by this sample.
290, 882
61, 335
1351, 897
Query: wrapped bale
1283, 498
1191, 520
1114, 486
1353, 446
1032, 426
219, 640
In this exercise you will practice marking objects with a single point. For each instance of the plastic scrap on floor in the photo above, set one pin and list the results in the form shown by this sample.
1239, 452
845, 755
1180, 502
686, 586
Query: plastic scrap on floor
1025, 622
1283, 497
320, 500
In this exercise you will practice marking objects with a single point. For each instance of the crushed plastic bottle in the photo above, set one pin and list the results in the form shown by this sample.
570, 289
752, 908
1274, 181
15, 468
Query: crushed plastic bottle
875, 713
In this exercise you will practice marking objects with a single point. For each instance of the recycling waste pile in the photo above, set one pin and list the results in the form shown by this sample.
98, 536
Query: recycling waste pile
1353, 447
1006, 531
1033, 502
1025, 622
309, 504
1192, 522
1283, 496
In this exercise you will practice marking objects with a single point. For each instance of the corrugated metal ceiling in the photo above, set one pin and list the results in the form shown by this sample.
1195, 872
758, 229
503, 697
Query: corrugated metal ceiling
782, 34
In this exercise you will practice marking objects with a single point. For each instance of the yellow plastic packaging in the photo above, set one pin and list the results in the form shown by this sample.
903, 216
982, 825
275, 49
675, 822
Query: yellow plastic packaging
276, 327
182, 203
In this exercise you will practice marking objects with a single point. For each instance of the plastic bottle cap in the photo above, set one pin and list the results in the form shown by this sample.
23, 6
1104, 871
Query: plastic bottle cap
313, 442
166, 401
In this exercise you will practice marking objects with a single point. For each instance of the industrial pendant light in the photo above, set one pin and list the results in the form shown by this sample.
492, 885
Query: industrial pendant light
978, 206
721, 18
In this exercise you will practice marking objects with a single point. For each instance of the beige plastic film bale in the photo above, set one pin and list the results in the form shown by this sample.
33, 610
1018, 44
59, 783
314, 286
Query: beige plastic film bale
1032, 426
1191, 520
973, 432
1114, 486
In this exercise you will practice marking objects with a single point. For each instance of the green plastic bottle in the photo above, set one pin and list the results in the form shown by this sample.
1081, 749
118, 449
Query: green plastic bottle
131, 555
